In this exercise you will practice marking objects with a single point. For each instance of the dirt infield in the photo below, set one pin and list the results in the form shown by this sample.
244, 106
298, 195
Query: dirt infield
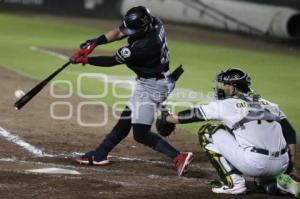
135, 171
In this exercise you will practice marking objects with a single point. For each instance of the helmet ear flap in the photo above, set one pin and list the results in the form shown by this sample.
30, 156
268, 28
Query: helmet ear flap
220, 94
248, 80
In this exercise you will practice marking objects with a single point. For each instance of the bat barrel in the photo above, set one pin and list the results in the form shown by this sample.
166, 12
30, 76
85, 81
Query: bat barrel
34, 91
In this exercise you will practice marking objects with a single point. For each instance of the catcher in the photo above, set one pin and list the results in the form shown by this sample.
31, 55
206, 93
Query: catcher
147, 54
254, 138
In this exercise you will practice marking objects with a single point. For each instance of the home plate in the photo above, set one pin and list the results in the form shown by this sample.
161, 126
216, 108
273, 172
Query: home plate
54, 171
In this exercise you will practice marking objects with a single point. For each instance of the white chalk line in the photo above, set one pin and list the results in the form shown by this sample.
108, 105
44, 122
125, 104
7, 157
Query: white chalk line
104, 169
98, 169
50, 52
130, 159
13, 159
78, 154
40, 153
18, 141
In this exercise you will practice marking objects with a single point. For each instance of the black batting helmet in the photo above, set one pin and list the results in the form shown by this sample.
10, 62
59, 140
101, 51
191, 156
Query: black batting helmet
135, 21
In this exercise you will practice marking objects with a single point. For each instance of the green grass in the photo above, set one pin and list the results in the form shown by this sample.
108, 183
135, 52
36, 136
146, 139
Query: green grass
275, 76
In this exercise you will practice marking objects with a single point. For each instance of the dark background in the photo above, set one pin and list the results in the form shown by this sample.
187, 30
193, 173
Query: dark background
108, 9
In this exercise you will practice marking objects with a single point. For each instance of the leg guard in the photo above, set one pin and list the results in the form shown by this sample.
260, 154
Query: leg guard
223, 168
228, 174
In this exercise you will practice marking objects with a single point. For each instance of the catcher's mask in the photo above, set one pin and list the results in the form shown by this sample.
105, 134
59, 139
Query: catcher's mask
233, 76
135, 21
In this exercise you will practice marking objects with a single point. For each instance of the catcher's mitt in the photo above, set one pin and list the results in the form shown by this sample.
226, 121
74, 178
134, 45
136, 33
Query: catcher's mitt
163, 127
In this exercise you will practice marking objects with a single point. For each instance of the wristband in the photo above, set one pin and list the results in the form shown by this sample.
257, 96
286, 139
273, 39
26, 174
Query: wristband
101, 40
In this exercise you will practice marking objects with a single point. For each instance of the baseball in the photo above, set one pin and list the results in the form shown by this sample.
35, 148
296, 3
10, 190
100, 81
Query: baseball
19, 94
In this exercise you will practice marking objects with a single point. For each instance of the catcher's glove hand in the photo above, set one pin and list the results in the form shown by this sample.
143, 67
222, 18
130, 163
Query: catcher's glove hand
163, 127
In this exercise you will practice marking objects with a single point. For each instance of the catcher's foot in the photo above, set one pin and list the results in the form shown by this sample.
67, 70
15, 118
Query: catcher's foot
182, 162
286, 184
89, 160
237, 189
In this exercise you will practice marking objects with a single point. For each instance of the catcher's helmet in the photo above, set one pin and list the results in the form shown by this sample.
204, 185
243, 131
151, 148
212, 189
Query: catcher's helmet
235, 77
135, 21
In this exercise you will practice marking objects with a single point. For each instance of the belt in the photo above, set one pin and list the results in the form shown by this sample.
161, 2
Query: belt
269, 153
160, 76
156, 76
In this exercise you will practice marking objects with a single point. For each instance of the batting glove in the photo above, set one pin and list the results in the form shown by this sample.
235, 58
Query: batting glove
87, 43
79, 60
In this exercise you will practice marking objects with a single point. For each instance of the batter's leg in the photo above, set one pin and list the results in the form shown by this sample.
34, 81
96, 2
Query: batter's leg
118, 133
143, 106
143, 135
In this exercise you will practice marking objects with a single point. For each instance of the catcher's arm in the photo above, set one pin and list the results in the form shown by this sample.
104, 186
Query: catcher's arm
165, 124
186, 116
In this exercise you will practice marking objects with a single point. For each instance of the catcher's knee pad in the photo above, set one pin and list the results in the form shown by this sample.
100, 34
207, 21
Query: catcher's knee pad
206, 131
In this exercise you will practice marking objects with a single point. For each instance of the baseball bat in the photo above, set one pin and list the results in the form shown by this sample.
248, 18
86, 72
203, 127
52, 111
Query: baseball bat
28, 96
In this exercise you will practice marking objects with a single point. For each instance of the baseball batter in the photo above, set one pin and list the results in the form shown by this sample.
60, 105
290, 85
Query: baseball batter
146, 54
253, 139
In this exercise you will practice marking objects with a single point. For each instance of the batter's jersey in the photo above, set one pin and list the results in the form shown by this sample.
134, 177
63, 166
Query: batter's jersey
149, 55
260, 134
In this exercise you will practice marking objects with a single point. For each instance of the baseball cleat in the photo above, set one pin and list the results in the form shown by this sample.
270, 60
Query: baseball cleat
236, 190
286, 184
182, 162
89, 160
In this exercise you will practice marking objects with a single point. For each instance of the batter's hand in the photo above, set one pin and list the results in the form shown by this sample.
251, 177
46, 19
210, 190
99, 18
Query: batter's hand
81, 56
87, 43
79, 59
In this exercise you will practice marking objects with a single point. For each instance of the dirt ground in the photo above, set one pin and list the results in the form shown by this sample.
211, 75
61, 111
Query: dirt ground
135, 171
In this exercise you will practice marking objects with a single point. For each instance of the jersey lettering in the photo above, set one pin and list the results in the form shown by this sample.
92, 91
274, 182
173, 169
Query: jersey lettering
165, 57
